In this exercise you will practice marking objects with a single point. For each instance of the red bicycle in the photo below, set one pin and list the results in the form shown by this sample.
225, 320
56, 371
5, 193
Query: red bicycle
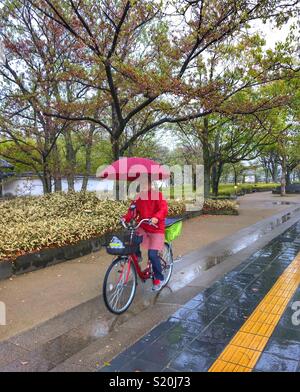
120, 280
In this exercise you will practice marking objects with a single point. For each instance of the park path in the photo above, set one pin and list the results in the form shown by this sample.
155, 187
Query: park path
245, 321
41, 295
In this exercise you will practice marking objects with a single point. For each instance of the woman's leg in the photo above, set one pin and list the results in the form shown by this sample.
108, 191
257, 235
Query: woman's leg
156, 265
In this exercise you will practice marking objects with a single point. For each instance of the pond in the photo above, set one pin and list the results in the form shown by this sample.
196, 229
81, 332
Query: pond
32, 186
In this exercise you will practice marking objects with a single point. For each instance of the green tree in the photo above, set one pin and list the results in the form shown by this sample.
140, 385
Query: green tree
137, 58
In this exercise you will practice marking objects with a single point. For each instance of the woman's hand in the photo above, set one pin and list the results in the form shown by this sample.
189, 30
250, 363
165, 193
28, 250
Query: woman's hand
154, 221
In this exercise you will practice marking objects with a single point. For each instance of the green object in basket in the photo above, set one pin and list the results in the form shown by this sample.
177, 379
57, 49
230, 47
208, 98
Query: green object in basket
173, 231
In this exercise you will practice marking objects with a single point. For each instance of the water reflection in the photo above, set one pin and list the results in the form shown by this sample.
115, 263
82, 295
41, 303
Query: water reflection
30, 186
242, 243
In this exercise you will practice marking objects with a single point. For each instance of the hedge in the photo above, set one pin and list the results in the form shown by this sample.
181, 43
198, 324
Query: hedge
228, 189
30, 224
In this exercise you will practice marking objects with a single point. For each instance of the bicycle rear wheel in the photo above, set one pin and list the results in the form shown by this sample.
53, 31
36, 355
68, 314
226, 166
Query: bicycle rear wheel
119, 285
166, 259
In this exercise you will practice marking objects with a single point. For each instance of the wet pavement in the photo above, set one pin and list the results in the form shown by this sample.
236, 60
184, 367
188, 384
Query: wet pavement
210, 300
199, 335
37, 297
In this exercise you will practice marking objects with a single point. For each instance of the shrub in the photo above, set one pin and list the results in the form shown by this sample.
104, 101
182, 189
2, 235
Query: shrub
224, 206
31, 223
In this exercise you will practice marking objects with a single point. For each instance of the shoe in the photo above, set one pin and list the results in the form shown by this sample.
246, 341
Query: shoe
157, 284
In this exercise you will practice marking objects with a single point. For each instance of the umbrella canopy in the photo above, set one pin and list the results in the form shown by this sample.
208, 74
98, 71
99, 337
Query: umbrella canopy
129, 169
5, 165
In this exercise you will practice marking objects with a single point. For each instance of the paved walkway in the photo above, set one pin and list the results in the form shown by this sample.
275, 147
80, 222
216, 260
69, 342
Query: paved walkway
245, 321
58, 321
36, 297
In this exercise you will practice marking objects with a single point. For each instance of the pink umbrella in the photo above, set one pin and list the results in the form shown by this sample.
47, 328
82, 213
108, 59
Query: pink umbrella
129, 169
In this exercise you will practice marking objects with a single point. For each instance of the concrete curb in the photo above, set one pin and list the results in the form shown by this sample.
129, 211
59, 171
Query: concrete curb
6, 269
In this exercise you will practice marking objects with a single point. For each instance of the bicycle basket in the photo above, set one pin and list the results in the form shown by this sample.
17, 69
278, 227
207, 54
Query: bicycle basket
123, 244
173, 229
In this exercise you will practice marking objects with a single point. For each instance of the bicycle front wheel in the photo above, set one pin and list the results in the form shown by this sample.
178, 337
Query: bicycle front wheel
167, 264
119, 285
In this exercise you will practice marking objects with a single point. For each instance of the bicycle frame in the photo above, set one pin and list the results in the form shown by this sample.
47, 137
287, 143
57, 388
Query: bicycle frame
143, 274
113, 289
132, 258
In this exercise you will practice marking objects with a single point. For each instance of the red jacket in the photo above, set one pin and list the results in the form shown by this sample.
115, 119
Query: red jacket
149, 204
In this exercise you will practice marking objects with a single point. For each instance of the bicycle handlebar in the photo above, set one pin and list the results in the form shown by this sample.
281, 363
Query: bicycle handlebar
139, 224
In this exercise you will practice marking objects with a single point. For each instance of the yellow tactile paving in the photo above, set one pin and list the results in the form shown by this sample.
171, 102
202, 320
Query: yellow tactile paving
266, 318
249, 340
240, 356
245, 348
222, 366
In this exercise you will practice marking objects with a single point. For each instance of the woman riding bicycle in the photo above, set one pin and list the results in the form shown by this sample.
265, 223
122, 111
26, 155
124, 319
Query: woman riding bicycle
150, 204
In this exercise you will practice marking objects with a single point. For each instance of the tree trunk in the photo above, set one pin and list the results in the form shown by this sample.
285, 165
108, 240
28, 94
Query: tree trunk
235, 176
283, 177
57, 170
274, 171
217, 167
216, 176
288, 176
88, 160
46, 178
220, 170
57, 184
206, 159
207, 183
116, 155
71, 161
266, 170
115, 149
275, 176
